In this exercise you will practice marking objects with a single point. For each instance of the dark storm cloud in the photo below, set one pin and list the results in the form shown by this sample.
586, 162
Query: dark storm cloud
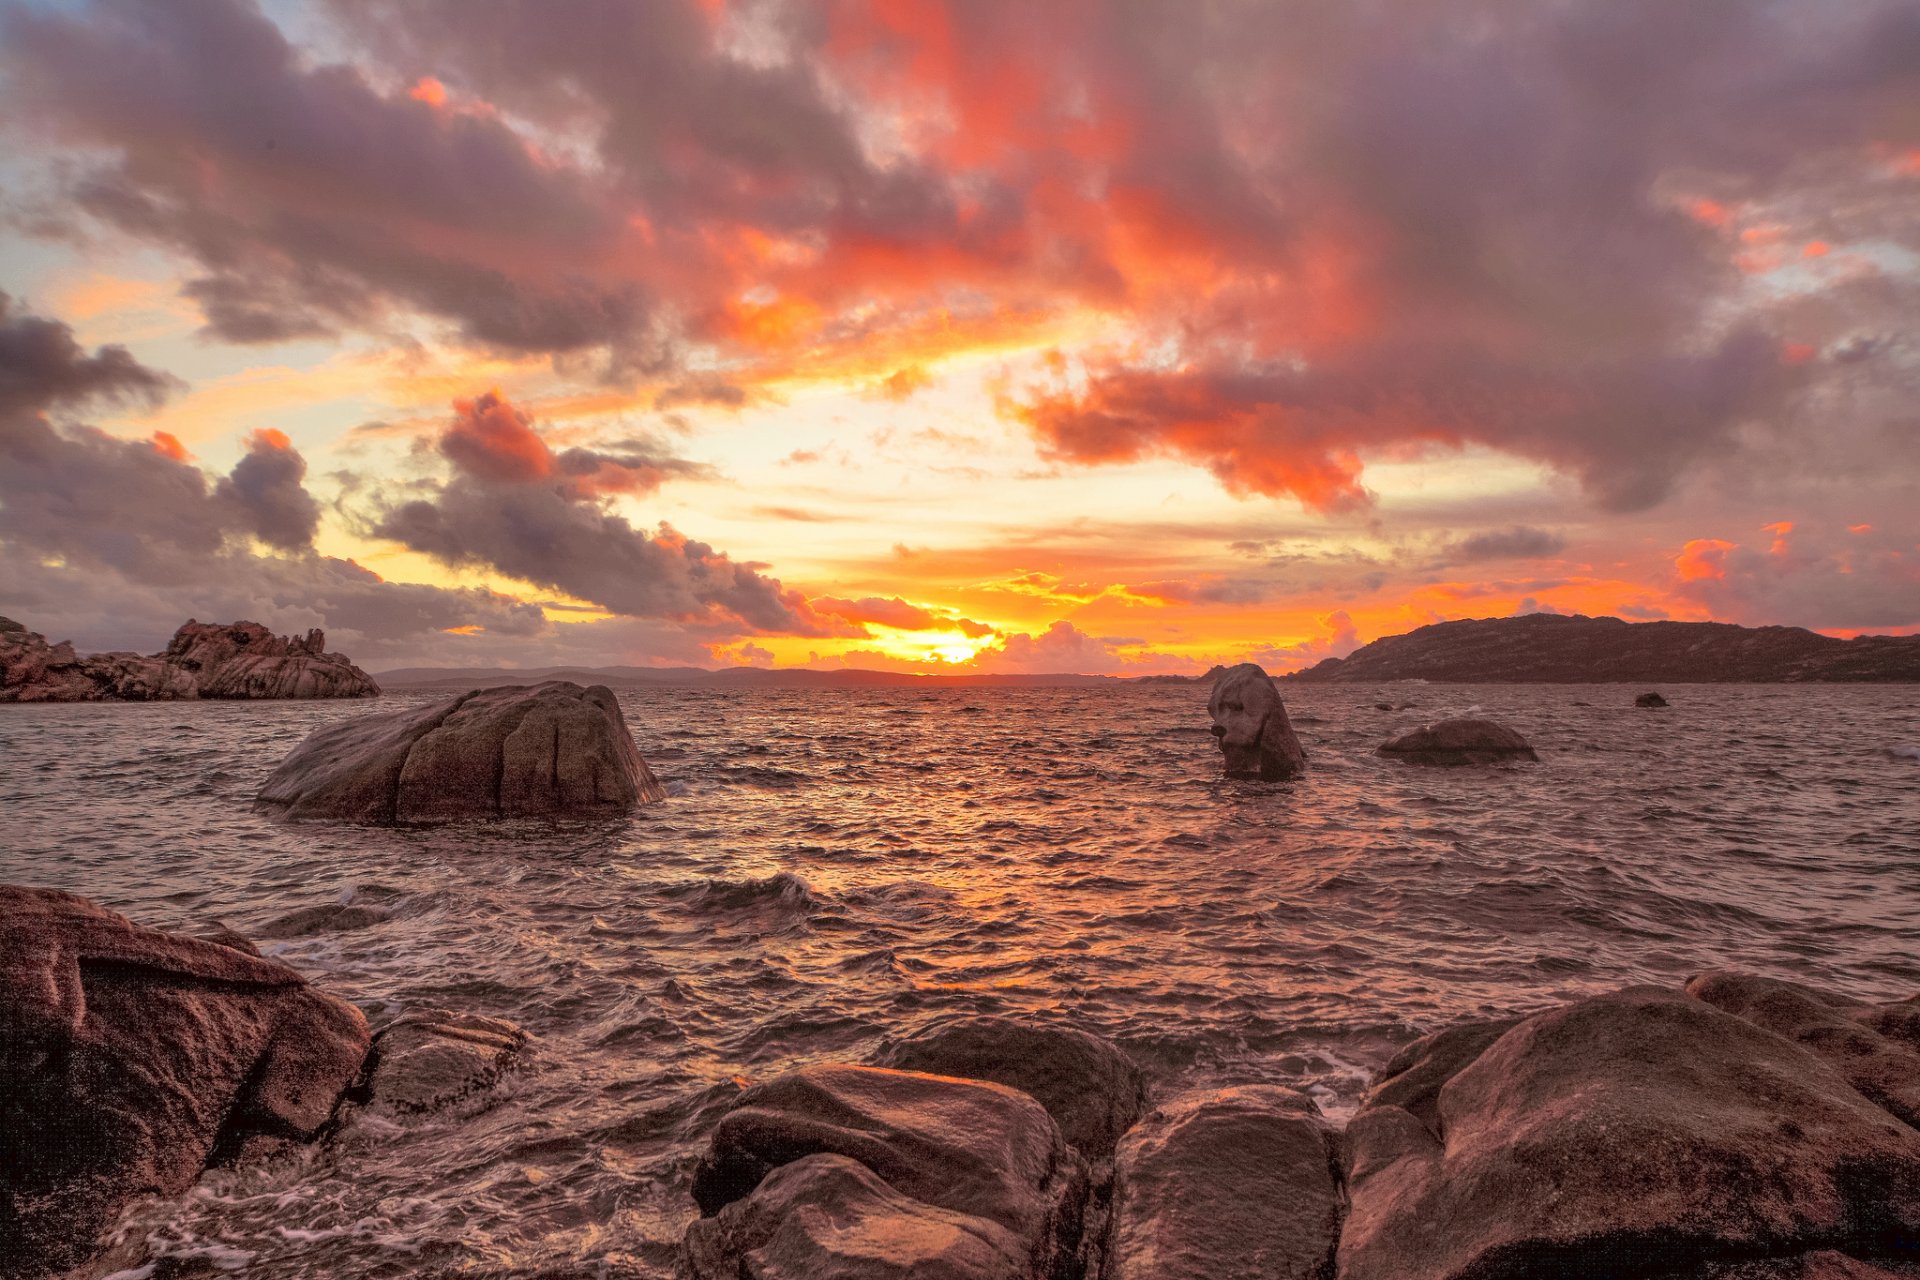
268, 487
1520, 542
41, 366
121, 540
514, 505
309, 198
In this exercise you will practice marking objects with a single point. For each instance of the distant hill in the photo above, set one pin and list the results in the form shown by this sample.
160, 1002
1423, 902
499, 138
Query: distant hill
1549, 648
730, 677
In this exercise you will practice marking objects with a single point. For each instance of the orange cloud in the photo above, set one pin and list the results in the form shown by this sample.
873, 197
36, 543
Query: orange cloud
1703, 559
168, 445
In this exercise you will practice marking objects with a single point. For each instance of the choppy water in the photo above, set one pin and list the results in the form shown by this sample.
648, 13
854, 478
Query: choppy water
836, 867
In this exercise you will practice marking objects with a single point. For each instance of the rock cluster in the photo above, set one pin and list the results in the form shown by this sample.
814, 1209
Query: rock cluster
1455, 742
1250, 722
513, 751
130, 1059
1742, 1129
203, 660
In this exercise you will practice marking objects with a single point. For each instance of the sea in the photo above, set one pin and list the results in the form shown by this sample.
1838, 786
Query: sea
835, 868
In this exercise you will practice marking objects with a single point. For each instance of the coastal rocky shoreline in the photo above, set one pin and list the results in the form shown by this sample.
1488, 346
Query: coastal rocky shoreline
1738, 1128
203, 660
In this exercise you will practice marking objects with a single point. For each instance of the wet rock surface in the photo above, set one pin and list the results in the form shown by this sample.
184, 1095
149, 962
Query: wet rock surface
1631, 1134
1092, 1089
1459, 742
425, 1061
988, 1156
132, 1058
514, 751
203, 660
1251, 725
1230, 1184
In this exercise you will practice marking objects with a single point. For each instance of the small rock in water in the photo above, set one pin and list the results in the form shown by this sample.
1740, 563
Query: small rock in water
1250, 722
1452, 742
331, 917
1649, 700
429, 1061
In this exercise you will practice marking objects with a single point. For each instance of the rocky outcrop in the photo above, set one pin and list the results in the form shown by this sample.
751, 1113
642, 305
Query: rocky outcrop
427, 1061
1649, 700
130, 1059
203, 660
1551, 649
1093, 1090
1250, 722
1641, 1133
514, 751
1456, 742
908, 1174
1230, 1184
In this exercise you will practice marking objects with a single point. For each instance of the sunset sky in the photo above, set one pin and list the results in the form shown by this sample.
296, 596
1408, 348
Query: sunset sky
1121, 338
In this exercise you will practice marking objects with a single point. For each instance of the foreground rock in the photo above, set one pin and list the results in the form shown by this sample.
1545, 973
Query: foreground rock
866, 1172
1251, 724
514, 751
1093, 1091
131, 1058
430, 1061
203, 660
1228, 1184
1458, 742
1641, 1133
1649, 700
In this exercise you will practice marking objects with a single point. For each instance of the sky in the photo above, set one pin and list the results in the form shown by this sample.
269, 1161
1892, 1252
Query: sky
1127, 338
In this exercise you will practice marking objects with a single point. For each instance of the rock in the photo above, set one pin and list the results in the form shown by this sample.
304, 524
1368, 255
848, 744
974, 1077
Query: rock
1821, 1264
1251, 723
1452, 742
1649, 700
327, 917
429, 1061
829, 1216
1092, 1089
218, 932
1227, 1184
1636, 1133
513, 751
970, 1147
1886, 1071
203, 660
131, 1058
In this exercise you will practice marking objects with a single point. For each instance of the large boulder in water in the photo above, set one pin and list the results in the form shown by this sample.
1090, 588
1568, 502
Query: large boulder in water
429, 1060
130, 1058
1649, 700
203, 660
981, 1160
1639, 1133
1090, 1087
1251, 724
1229, 1184
512, 751
1452, 742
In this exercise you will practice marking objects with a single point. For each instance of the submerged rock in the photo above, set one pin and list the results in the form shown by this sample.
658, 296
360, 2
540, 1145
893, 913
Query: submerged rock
512, 751
1638, 1133
429, 1061
1454, 742
1649, 700
1229, 1184
131, 1058
988, 1156
1250, 721
203, 660
1093, 1090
